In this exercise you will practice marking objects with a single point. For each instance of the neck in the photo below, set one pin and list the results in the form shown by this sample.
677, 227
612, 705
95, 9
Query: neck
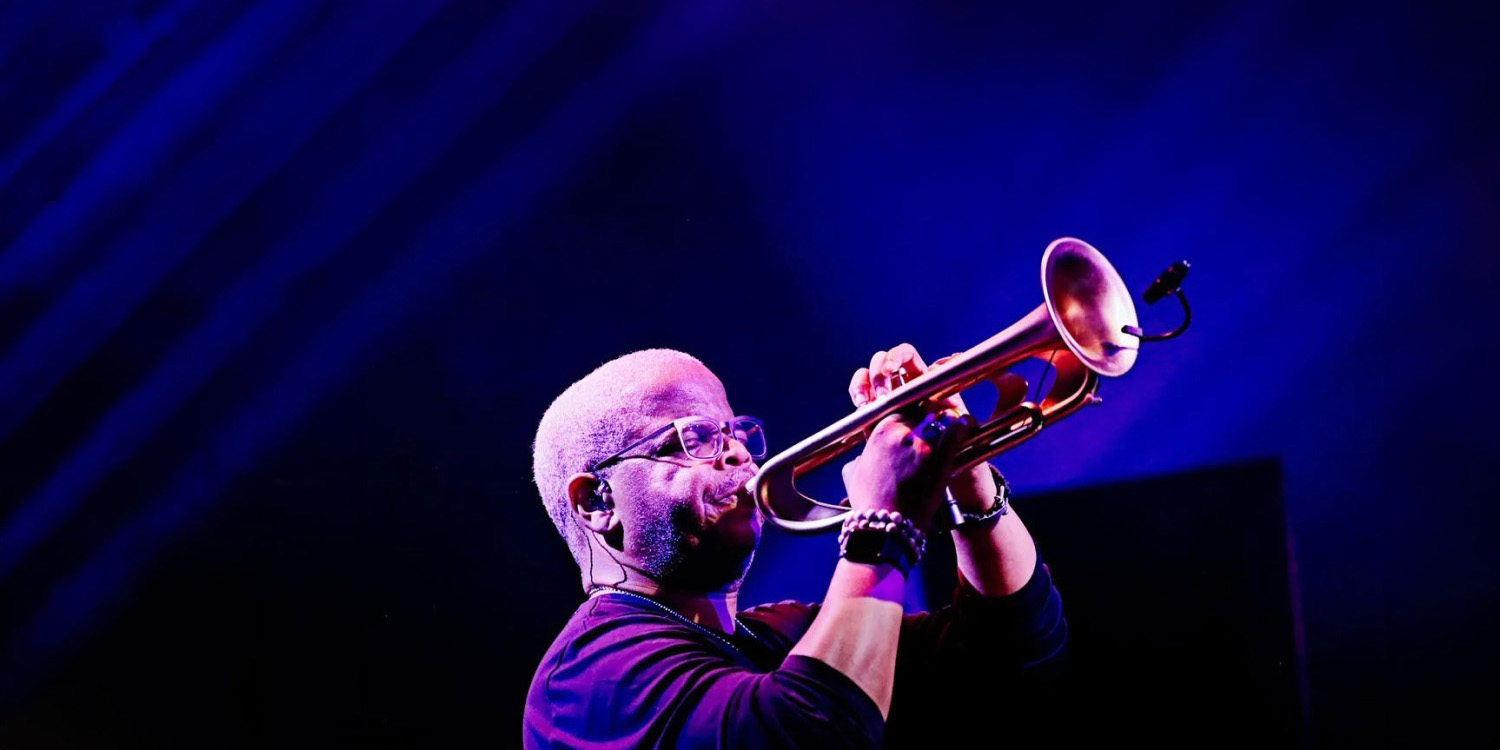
711, 609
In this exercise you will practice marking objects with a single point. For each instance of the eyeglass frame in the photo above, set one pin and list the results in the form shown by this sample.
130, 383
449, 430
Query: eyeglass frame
724, 428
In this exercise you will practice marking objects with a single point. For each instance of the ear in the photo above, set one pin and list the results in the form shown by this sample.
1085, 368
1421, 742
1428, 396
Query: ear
592, 505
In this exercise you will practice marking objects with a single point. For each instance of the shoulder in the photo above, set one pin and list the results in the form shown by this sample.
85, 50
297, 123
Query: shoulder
628, 656
608, 645
604, 625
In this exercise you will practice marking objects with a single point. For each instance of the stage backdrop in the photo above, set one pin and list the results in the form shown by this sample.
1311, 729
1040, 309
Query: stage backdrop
285, 286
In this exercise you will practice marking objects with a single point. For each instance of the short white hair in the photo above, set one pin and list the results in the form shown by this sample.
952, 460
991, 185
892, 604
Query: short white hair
592, 419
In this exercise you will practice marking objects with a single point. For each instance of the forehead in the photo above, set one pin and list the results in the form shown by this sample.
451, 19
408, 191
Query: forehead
681, 391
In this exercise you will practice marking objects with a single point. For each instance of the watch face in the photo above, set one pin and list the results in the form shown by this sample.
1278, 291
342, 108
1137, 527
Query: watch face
877, 546
867, 546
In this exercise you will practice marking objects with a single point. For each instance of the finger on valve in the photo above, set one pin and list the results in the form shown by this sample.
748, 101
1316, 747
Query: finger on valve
905, 356
859, 387
904, 364
914, 366
880, 375
888, 370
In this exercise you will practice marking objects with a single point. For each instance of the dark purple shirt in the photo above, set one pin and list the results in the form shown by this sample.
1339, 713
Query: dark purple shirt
624, 673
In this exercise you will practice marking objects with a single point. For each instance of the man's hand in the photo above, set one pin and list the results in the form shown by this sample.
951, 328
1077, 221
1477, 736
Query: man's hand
880, 378
973, 490
906, 460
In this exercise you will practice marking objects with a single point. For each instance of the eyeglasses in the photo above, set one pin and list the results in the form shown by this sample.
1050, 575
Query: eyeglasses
702, 438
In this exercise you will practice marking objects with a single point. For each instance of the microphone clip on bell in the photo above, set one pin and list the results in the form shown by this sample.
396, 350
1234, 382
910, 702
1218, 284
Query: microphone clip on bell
1168, 282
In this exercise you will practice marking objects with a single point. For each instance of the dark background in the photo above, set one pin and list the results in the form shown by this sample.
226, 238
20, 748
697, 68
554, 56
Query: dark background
285, 286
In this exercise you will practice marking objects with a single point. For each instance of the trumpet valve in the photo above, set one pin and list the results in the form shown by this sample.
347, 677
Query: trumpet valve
898, 377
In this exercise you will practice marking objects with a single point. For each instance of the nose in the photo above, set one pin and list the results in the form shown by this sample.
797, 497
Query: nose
735, 453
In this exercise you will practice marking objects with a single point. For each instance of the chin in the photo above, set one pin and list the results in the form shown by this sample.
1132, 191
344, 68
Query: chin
706, 573
739, 528
707, 554
721, 554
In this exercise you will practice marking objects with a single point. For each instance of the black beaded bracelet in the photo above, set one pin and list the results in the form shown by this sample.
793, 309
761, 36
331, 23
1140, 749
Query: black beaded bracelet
999, 507
879, 536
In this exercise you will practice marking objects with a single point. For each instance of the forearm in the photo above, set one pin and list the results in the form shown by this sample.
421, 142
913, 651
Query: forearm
858, 627
996, 559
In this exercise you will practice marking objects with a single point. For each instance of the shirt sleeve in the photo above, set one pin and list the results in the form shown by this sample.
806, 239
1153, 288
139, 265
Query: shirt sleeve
1021, 631
641, 679
979, 663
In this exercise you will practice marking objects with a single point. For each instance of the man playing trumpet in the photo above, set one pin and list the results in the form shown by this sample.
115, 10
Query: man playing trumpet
642, 465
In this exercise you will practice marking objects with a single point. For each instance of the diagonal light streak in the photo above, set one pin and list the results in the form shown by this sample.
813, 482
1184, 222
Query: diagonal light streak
195, 202
403, 150
140, 146
478, 218
93, 85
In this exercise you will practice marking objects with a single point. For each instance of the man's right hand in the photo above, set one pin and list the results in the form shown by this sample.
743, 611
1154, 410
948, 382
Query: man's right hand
905, 464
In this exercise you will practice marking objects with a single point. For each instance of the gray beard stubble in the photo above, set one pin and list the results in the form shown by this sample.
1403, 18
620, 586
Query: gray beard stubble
666, 552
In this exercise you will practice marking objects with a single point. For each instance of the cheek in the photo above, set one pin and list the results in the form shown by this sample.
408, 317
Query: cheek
661, 489
680, 481
665, 485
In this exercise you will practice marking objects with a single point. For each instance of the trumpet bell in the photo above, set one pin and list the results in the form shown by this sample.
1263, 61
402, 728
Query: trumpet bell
1089, 306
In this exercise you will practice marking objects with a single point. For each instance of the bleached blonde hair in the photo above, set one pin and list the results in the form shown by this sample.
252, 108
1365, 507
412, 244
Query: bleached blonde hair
592, 419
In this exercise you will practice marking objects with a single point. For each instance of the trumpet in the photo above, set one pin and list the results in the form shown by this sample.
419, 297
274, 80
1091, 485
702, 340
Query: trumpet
1086, 327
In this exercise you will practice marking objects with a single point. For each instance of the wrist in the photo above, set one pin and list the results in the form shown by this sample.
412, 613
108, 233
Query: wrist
856, 580
967, 518
974, 490
881, 538
872, 499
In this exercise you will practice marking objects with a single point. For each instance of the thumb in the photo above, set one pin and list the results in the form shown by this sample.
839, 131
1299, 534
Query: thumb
959, 429
848, 468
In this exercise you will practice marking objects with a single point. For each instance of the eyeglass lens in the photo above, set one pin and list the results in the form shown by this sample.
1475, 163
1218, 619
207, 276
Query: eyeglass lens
704, 439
